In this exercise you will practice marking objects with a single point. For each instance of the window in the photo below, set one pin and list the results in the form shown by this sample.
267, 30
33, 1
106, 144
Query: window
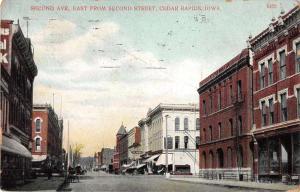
204, 135
262, 75
230, 94
231, 126
283, 107
204, 107
298, 102
271, 111
239, 89
229, 158
210, 133
186, 123
220, 130
297, 58
38, 125
177, 142
282, 65
186, 142
270, 74
197, 142
170, 143
197, 124
263, 114
219, 100
211, 103
37, 144
240, 125
177, 123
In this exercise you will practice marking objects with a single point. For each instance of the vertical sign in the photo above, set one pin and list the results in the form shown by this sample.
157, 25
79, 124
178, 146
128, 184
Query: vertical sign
5, 44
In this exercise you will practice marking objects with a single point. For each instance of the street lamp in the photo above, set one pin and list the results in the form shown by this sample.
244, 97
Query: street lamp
167, 165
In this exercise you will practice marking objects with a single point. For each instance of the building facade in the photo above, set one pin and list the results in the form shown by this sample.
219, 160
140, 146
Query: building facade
47, 131
144, 135
276, 92
181, 121
134, 144
121, 152
18, 71
225, 96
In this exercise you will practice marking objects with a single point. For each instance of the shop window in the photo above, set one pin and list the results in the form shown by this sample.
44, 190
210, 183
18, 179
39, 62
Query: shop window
177, 124
186, 142
282, 65
197, 124
211, 160
229, 157
186, 123
263, 157
270, 74
274, 155
177, 142
263, 114
262, 75
297, 58
240, 156
296, 155
204, 159
284, 158
283, 107
220, 158
271, 111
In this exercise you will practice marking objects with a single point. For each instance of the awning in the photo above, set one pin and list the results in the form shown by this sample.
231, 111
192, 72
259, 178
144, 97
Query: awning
36, 158
103, 167
128, 165
162, 159
13, 146
140, 166
152, 158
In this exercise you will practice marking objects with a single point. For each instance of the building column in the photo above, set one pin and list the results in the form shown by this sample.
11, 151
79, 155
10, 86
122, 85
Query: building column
255, 162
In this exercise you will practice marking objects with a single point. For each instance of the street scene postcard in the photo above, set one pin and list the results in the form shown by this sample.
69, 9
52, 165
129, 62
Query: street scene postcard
150, 95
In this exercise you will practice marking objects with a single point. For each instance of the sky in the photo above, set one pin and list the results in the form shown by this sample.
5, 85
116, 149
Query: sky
105, 67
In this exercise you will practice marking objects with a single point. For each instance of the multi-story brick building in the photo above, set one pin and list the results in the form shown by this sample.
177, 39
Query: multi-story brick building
134, 144
121, 152
47, 131
276, 96
18, 71
225, 119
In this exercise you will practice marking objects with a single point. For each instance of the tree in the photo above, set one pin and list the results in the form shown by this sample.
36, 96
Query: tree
77, 150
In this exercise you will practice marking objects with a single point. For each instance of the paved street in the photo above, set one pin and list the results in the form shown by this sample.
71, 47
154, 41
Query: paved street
99, 181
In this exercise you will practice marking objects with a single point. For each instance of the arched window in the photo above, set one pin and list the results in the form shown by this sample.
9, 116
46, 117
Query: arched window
229, 157
220, 130
38, 125
38, 144
186, 123
177, 124
203, 160
210, 133
197, 124
220, 158
211, 160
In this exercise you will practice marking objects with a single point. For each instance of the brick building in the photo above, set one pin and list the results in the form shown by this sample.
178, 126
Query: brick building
121, 153
134, 144
18, 71
47, 130
225, 118
276, 92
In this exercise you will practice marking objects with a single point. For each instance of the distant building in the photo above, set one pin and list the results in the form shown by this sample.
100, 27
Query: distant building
121, 152
106, 156
134, 144
18, 71
276, 96
226, 147
182, 122
47, 130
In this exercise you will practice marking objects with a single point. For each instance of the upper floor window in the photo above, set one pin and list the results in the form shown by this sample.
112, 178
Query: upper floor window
283, 107
297, 58
210, 133
204, 107
263, 113
230, 94
262, 75
177, 123
270, 74
197, 124
240, 125
282, 64
204, 135
186, 142
211, 103
38, 125
271, 111
186, 123
239, 83
231, 127
220, 130
298, 101
177, 142
38, 144
169, 143
219, 100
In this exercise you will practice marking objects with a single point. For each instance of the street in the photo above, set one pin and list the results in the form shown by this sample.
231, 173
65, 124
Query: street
99, 181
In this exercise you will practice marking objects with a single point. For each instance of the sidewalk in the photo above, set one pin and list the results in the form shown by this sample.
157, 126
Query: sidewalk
40, 184
240, 184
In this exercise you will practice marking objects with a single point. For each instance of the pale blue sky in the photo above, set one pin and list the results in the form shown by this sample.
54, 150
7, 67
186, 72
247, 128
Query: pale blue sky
70, 51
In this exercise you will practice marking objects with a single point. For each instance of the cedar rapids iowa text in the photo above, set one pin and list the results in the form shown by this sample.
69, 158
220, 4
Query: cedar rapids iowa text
127, 8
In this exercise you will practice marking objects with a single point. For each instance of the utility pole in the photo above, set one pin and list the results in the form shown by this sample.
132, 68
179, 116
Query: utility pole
167, 151
27, 24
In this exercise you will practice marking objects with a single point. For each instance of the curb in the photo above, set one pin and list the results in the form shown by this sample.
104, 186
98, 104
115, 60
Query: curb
228, 185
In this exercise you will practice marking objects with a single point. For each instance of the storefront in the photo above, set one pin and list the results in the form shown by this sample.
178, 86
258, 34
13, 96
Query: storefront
279, 156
